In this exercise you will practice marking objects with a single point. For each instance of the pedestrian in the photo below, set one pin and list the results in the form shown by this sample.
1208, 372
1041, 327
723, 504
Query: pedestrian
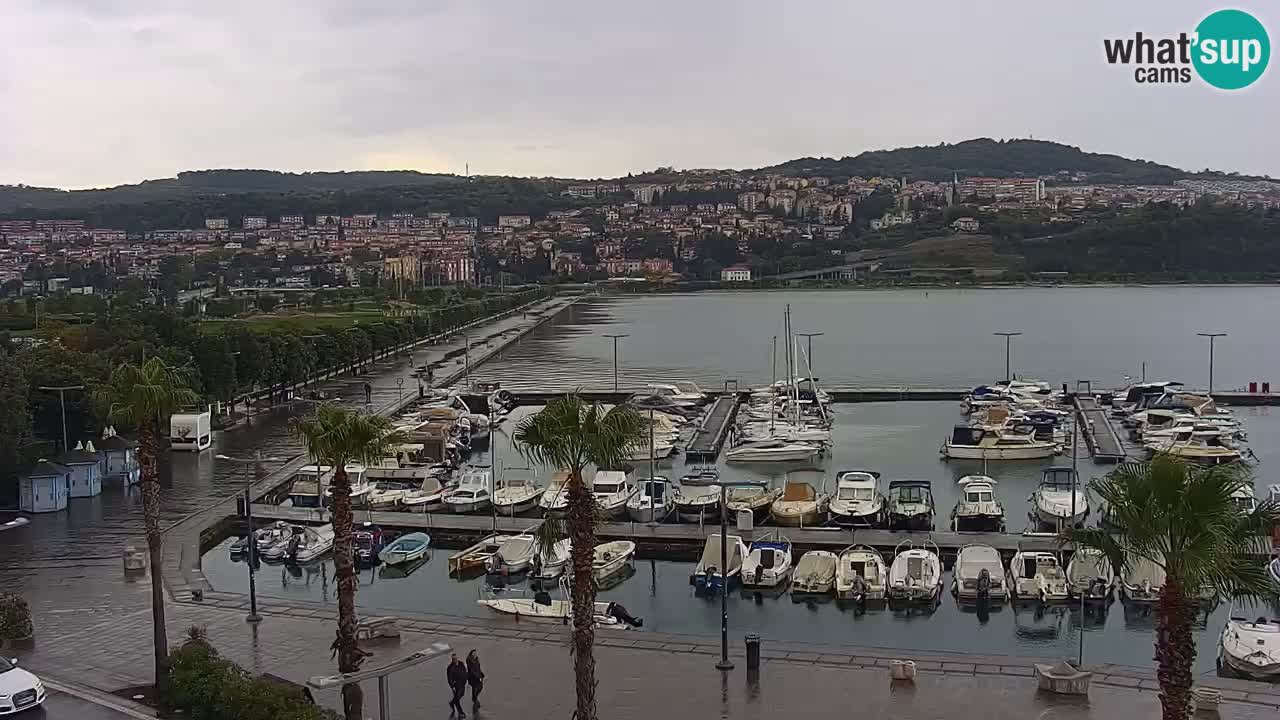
475, 676
457, 675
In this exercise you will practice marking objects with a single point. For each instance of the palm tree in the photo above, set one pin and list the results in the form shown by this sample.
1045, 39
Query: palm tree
1182, 518
337, 436
571, 434
141, 396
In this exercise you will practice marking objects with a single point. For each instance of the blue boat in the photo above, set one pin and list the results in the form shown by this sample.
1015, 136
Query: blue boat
405, 549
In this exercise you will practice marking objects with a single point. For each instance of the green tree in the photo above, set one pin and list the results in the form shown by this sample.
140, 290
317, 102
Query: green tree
337, 436
572, 434
142, 396
1182, 518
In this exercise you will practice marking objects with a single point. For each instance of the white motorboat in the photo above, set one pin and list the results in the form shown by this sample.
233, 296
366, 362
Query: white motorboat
1089, 574
1142, 581
771, 451
1251, 648
308, 544
550, 564
385, 496
1060, 501
611, 558
815, 574
681, 394
910, 505
711, 574
698, 503
612, 490
978, 443
751, 498
389, 469
405, 549
1036, 576
555, 498
978, 508
861, 574
477, 555
978, 575
428, 497
472, 493
1201, 448
274, 534
309, 485
800, 505
360, 487
916, 573
762, 431
515, 555
858, 501
515, 493
541, 607
653, 501
768, 563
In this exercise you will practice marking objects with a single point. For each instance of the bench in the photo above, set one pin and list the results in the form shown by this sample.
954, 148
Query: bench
378, 627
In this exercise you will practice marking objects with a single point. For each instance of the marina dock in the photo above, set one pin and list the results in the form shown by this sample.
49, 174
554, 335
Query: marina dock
714, 429
1104, 443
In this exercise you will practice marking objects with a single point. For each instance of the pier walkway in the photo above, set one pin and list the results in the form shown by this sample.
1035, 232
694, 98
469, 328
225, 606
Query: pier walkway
707, 441
1098, 431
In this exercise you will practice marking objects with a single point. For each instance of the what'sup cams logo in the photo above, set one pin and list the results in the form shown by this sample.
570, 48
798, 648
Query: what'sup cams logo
1229, 50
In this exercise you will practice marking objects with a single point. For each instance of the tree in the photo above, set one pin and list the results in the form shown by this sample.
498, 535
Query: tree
337, 436
572, 434
1182, 518
141, 396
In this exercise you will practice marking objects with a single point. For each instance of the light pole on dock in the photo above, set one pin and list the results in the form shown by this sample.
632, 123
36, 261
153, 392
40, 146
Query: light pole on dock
249, 464
615, 339
1212, 337
62, 401
1007, 337
808, 358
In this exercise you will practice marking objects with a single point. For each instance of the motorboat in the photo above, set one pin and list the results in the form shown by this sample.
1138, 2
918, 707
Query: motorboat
979, 443
264, 537
800, 505
698, 503
768, 563
555, 498
756, 499
978, 508
858, 501
472, 493
385, 495
644, 450
515, 555
476, 556
390, 469
515, 493
1251, 648
682, 394
978, 575
360, 487
861, 574
815, 574
611, 558
771, 451
1201, 448
308, 544
309, 485
711, 574
550, 563
428, 497
916, 573
542, 607
1060, 501
405, 549
1036, 576
367, 541
1089, 575
653, 500
910, 505
785, 432
611, 490
1142, 581
1244, 500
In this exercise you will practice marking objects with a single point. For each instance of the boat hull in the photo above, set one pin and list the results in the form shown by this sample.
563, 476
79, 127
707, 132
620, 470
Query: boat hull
920, 521
645, 514
698, 513
852, 518
978, 523
517, 507
964, 452
462, 508
808, 518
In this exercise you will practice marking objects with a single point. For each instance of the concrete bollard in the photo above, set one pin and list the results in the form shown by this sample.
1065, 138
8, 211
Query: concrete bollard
902, 671
753, 651
134, 560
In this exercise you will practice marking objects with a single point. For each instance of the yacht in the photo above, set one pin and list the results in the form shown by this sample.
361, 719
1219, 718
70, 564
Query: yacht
861, 574
768, 563
1089, 575
754, 499
799, 506
360, 487
405, 549
653, 501
978, 508
1200, 447
916, 573
515, 493
858, 501
514, 557
978, 575
698, 503
1060, 501
472, 493
611, 558
555, 498
550, 564
708, 575
1037, 577
309, 485
910, 505
612, 490
815, 574
978, 443
771, 451
1251, 648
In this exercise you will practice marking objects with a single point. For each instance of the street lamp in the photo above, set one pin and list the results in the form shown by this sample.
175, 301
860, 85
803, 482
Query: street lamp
808, 358
1212, 337
724, 663
400, 385
253, 616
62, 400
1007, 336
615, 339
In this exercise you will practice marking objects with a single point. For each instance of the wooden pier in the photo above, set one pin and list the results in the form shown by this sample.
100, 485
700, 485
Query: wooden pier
1095, 423
714, 428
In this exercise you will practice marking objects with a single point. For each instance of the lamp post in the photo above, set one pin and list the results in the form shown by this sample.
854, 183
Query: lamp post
724, 663
62, 400
466, 358
1212, 337
256, 460
808, 358
1007, 336
615, 339
400, 386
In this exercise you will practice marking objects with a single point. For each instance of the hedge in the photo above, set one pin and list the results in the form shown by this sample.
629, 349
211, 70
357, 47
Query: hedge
15, 618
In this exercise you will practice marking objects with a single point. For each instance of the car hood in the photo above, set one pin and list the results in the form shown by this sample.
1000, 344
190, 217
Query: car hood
17, 680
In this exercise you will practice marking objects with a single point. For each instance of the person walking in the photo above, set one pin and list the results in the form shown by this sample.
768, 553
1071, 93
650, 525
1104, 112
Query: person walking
475, 676
457, 676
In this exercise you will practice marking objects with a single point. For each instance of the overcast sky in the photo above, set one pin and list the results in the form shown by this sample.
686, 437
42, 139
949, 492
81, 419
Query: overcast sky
102, 92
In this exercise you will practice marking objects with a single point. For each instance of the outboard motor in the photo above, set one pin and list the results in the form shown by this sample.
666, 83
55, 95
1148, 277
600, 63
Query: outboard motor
759, 574
292, 550
619, 612
984, 585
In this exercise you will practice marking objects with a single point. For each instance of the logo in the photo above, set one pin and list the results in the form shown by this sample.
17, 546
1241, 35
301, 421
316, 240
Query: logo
1229, 50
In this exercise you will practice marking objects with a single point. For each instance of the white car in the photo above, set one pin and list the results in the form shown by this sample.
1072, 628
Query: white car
19, 689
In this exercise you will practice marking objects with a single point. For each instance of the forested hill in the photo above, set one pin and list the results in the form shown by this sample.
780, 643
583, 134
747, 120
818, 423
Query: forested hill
985, 157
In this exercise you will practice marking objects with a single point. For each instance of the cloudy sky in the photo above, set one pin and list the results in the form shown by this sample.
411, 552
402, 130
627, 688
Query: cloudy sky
102, 92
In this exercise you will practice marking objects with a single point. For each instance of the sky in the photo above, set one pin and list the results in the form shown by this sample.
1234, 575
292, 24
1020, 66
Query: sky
103, 92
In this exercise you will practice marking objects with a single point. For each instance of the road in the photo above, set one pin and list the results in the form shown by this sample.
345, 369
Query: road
60, 706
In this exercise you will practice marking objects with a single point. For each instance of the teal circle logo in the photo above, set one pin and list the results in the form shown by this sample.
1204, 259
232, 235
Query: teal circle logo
1231, 49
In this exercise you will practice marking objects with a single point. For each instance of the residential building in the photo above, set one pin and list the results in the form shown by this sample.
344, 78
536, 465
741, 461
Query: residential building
513, 221
253, 222
294, 221
218, 223
1027, 190
736, 273
750, 201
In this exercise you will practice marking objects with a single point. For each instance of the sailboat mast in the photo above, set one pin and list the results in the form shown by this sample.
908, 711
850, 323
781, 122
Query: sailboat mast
652, 452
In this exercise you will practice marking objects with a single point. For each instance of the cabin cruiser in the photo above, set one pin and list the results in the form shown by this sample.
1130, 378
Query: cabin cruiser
815, 574
611, 558
910, 505
555, 498
698, 503
1251, 648
1089, 575
612, 490
977, 443
515, 493
978, 575
772, 450
405, 549
754, 499
1140, 396
309, 485
360, 487
916, 573
978, 508
799, 506
391, 469
514, 557
1200, 447
681, 393
1037, 576
653, 500
861, 574
472, 493
858, 501
427, 497
1059, 500
708, 575
367, 542
551, 562
768, 562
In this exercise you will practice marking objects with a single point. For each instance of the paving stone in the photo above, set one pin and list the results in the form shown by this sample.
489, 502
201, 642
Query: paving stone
981, 669
958, 667
1016, 670
835, 659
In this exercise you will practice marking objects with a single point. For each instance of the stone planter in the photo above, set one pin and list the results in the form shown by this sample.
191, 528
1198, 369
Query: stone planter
1063, 678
